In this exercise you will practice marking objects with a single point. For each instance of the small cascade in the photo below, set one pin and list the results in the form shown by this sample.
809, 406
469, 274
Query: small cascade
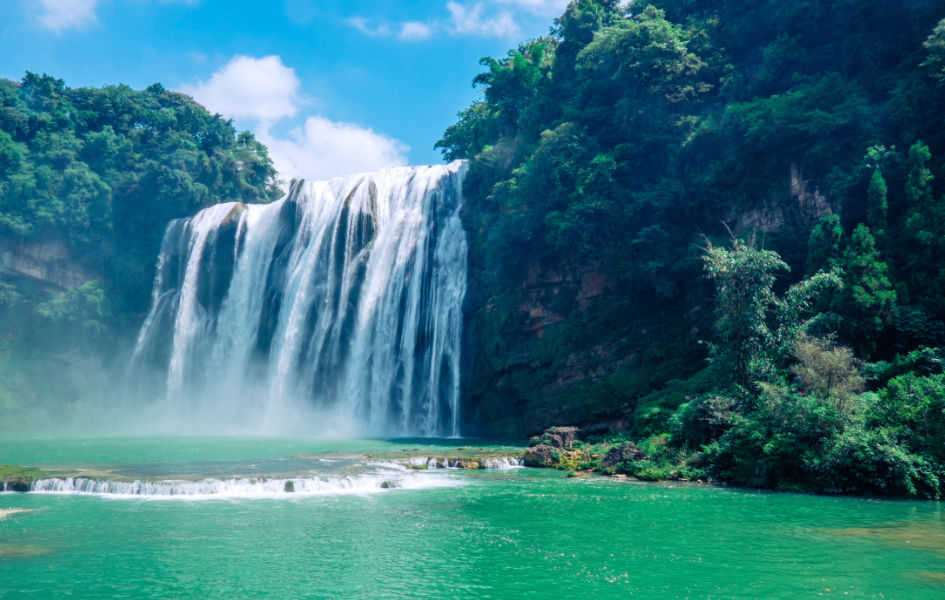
340, 303
261, 487
504, 462
470, 462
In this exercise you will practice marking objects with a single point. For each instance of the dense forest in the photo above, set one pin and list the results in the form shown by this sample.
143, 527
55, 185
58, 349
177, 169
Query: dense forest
89, 179
719, 227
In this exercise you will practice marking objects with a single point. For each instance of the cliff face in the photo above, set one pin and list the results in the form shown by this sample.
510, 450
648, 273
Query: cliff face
567, 342
568, 346
47, 263
46, 358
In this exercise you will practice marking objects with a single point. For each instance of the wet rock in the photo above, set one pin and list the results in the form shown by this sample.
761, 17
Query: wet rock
289, 486
620, 454
541, 455
463, 463
16, 484
387, 484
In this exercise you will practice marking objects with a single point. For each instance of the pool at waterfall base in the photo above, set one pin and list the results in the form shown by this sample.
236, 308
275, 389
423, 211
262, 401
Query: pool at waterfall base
214, 518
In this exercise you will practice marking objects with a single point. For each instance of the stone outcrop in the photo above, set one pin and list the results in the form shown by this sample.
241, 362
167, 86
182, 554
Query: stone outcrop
541, 455
462, 462
48, 262
561, 437
620, 454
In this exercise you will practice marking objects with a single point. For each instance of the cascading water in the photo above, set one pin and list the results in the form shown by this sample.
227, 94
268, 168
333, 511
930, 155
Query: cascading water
341, 300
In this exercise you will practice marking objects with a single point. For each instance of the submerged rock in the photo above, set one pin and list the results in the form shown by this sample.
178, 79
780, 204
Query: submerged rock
6, 512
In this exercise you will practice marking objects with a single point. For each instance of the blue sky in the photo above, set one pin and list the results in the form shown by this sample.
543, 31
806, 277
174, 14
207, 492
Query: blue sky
330, 87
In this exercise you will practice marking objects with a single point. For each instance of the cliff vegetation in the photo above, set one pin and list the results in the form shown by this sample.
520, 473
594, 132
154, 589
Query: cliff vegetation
717, 229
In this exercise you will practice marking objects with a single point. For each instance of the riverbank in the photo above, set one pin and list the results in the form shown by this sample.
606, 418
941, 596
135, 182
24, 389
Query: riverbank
600, 450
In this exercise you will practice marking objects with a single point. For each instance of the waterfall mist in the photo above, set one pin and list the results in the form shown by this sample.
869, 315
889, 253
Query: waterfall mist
335, 310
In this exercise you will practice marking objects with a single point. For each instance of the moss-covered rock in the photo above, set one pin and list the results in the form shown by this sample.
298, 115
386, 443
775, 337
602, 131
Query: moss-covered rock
18, 479
541, 455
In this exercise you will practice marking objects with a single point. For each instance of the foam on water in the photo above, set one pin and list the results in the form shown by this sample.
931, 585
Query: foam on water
387, 479
491, 463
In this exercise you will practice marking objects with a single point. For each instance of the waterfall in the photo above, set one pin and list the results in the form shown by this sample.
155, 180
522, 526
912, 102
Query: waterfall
342, 300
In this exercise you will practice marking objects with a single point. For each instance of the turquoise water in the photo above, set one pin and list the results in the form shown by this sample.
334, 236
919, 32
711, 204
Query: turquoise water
518, 533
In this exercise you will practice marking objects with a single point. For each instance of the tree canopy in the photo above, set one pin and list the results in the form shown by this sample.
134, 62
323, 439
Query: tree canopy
105, 169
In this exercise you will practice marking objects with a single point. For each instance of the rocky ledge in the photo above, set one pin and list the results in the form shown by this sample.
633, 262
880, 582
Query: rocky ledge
598, 449
18, 479
462, 462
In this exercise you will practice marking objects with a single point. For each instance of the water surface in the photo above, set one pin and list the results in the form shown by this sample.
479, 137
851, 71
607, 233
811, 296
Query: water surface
518, 533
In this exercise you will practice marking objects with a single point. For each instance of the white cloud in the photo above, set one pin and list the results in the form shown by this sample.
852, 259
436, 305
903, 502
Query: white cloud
263, 89
60, 15
362, 25
467, 20
553, 8
322, 148
409, 30
414, 30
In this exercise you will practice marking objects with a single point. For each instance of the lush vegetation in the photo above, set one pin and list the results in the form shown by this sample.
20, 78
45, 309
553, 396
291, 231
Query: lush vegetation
780, 162
717, 227
89, 179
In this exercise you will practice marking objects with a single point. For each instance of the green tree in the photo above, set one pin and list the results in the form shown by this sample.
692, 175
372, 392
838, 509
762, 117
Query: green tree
825, 246
923, 233
828, 371
867, 302
744, 298
913, 409
919, 182
877, 206
935, 46
755, 328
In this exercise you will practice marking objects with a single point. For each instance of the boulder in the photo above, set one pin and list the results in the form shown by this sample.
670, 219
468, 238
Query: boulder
561, 437
623, 453
541, 455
